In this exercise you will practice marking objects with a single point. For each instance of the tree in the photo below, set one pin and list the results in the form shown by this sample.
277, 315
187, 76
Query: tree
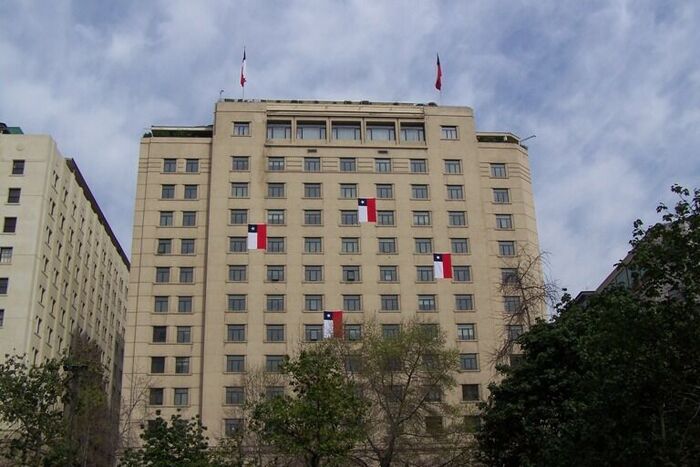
614, 381
324, 418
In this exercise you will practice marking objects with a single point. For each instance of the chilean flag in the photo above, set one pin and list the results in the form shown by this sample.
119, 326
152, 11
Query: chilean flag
243, 70
438, 79
367, 209
332, 324
257, 236
442, 265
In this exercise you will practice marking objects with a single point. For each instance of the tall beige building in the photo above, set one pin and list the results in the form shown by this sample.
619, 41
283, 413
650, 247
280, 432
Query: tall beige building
203, 309
62, 270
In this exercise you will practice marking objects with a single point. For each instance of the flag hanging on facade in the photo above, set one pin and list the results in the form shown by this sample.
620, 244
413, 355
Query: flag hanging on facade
442, 266
257, 236
438, 80
244, 78
367, 210
332, 324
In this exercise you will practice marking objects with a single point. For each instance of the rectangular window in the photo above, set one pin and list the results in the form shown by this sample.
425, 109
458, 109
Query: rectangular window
468, 362
192, 165
381, 132
162, 274
312, 190
184, 304
160, 334
157, 364
182, 365
169, 165
421, 218
348, 164
350, 245
470, 392
313, 302
274, 303
155, 396
186, 275
273, 363
160, 304
239, 216
348, 190
455, 192
237, 244
311, 130
237, 302
346, 131
184, 334
348, 217
275, 190
187, 246
9, 225
232, 426
312, 164
433, 424
13, 195
382, 165
238, 273
189, 218
464, 302
419, 165
235, 363
313, 245
275, 273
453, 166
459, 246
167, 191
389, 302
504, 222
501, 196
462, 273
426, 303
275, 164
388, 274
279, 130
17, 167
5, 255
352, 332
166, 218
313, 332
239, 190
385, 218
352, 302
423, 245
240, 163
164, 246
390, 330
385, 191
387, 245
241, 129
313, 273
466, 332
419, 191
498, 171
424, 274
457, 218
235, 333
274, 391
509, 275
275, 216
350, 273
412, 132
514, 331
511, 303
274, 333
448, 132
235, 395
506, 248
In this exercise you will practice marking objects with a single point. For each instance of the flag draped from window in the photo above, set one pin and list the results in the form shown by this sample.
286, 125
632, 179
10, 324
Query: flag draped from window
257, 236
367, 209
332, 324
442, 265
438, 79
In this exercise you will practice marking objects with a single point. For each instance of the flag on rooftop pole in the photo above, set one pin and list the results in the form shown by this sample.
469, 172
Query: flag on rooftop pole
367, 209
438, 79
257, 236
332, 324
243, 70
442, 266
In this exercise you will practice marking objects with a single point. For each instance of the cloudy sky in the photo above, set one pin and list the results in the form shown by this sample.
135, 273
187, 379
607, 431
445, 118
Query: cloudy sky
610, 88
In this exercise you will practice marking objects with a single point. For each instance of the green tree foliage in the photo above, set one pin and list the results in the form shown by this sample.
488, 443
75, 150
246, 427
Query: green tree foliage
615, 380
323, 419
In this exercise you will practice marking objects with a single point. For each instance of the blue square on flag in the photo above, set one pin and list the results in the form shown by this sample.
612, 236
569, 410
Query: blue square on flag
327, 315
252, 228
437, 257
363, 202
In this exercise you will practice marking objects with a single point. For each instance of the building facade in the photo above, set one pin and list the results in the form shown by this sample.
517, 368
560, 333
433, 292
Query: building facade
62, 270
204, 310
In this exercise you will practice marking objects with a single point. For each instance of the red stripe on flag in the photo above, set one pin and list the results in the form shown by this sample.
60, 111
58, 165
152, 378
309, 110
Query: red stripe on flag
262, 236
447, 265
371, 210
337, 323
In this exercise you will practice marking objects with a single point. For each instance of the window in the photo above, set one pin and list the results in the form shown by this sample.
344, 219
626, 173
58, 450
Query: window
166, 218
390, 302
241, 129
382, 165
274, 333
13, 195
155, 396
453, 166
412, 132
506, 248
238, 273
192, 165
275, 216
275, 190
181, 396
421, 218
5, 255
313, 332
462, 273
501, 195
348, 217
311, 130
504, 221
313, 302
426, 303
459, 246
470, 392
275, 164
381, 132
385, 191
423, 245
388, 274
182, 365
313, 273
232, 426
237, 302
434, 394
511, 303
186, 275
498, 171
9, 225
455, 192
448, 132
390, 330
187, 246
279, 130
419, 191
162, 274
513, 331
189, 218
240, 163
160, 334
468, 362
348, 164
275, 245
17, 167
239, 216
273, 363
352, 302
275, 273
184, 334
348, 190
235, 363
509, 275
385, 218
184, 304
239, 190
164, 246
312, 190
424, 274
237, 244
419, 166
167, 191
274, 303
472, 423
160, 304
350, 273
235, 333
349, 245
457, 218
346, 131
387, 245
313, 245
157, 364
466, 332
312, 164
235, 395
353, 332
464, 302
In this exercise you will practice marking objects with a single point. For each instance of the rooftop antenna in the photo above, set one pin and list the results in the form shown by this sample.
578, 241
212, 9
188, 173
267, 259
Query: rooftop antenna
525, 139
